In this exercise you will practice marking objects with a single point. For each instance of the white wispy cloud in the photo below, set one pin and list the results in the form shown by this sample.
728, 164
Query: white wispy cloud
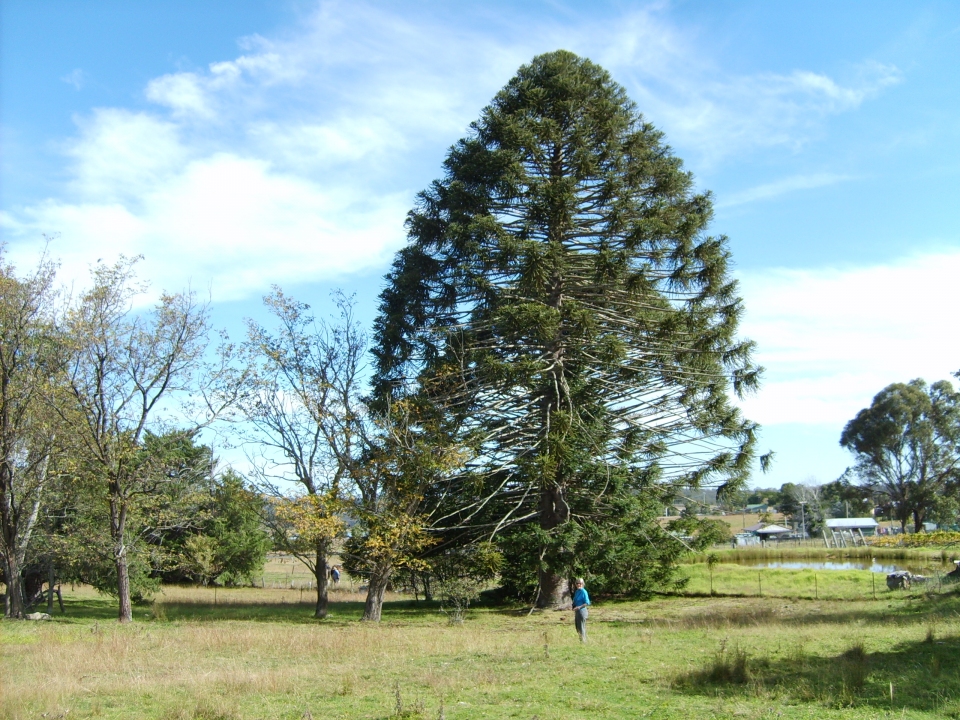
76, 77
119, 156
832, 338
722, 116
228, 222
298, 158
783, 186
184, 93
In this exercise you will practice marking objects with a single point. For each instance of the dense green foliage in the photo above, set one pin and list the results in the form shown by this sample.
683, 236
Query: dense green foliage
907, 447
228, 543
562, 305
194, 526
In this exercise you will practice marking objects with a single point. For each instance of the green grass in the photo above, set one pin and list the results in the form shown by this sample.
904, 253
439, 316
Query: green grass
742, 581
255, 655
815, 551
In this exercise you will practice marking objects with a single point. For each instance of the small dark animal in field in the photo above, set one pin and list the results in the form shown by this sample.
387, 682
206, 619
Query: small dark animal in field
953, 575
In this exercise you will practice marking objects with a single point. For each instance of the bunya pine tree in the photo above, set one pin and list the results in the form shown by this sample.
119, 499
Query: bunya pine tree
562, 308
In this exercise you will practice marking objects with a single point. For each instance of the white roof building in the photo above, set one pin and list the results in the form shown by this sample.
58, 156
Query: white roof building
851, 524
772, 530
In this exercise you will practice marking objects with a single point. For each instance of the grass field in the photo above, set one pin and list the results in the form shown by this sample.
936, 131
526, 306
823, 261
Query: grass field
257, 653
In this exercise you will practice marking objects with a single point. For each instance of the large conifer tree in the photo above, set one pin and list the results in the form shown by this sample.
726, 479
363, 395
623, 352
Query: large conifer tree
562, 310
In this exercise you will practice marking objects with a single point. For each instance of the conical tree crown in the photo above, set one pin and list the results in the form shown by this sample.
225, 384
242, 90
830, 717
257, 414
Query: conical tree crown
561, 310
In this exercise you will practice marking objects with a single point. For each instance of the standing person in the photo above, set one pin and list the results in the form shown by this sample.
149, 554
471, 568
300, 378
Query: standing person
581, 599
335, 575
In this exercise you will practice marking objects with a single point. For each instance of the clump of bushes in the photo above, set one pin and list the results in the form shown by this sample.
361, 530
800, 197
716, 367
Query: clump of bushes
939, 538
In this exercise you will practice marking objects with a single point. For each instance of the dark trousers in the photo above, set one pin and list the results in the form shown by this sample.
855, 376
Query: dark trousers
580, 620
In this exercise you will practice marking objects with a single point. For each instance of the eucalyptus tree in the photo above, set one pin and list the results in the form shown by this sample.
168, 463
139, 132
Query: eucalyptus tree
300, 400
124, 369
560, 301
907, 446
30, 356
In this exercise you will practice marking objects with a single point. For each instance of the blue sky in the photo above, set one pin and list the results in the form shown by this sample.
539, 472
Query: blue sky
242, 144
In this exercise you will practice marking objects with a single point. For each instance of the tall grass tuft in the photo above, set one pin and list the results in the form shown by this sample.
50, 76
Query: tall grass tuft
854, 668
729, 667
205, 709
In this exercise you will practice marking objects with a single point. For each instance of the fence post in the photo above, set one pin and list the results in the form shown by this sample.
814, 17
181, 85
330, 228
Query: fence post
816, 588
873, 577
760, 582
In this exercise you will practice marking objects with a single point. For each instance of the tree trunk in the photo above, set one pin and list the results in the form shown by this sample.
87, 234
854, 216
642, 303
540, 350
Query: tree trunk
51, 578
118, 525
917, 521
321, 571
14, 605
554, 588
123, 586
379, 579
903, 516
554, 511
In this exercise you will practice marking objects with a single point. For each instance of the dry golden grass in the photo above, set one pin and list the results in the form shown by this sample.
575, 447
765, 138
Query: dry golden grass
176, 663
253, 596
665, 657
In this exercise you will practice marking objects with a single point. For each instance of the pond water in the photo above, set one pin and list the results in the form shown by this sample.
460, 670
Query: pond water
887, 567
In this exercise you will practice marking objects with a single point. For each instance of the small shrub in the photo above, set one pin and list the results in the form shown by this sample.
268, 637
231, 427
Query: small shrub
459, 577
415, 713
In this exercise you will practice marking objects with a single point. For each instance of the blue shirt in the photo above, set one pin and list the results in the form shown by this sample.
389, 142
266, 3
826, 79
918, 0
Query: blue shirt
580, 597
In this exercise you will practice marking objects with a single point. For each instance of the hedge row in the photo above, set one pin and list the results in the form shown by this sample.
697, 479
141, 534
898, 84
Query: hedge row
940, 538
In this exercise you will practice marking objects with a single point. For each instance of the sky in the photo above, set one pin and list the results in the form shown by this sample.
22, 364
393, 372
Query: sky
243, 144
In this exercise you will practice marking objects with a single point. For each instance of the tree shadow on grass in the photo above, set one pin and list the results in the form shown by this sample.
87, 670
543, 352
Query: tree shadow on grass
925, 676
104, 609
406, 612
84, 610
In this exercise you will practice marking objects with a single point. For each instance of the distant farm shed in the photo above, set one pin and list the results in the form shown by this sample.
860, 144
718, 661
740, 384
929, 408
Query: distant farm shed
867, 525
765, 531
846, 532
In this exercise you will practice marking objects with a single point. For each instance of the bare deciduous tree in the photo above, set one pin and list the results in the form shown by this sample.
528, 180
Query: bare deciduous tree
124, 366
300, 402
